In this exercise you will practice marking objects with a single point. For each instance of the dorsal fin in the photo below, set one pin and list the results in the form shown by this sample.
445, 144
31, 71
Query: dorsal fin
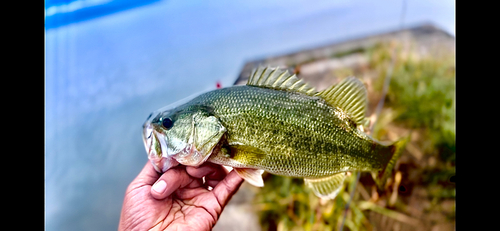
278, 79
351, 96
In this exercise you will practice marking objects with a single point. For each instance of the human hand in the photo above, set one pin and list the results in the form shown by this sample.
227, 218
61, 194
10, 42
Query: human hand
178, 199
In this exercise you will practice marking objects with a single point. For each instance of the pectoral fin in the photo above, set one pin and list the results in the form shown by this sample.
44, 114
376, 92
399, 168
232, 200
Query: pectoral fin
326, 187
252, 176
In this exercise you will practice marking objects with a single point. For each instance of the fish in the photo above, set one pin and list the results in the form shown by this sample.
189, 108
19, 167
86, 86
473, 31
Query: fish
275, 123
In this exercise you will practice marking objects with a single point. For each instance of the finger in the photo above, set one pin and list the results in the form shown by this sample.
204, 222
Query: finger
147, 176
212, 183
209, 171
227, 188
170, 181
213, 173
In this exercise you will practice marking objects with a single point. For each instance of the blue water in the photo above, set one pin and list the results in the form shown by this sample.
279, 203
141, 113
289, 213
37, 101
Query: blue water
107, 70
64, 12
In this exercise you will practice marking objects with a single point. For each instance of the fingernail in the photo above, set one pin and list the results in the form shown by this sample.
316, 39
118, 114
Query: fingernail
160, 186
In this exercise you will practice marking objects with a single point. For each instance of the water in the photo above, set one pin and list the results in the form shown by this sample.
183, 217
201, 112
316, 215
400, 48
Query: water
106, 72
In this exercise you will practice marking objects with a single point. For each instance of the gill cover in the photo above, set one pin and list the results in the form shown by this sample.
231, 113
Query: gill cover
192, 137
207, 133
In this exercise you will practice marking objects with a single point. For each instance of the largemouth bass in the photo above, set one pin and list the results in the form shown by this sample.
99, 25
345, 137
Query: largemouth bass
275, 123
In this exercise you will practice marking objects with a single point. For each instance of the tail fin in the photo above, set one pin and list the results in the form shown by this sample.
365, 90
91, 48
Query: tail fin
396, 150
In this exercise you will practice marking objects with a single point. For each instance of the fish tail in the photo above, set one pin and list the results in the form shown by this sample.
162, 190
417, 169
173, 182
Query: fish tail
395, 150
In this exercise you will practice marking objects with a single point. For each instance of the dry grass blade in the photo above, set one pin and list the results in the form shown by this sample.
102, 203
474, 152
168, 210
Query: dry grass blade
367, 205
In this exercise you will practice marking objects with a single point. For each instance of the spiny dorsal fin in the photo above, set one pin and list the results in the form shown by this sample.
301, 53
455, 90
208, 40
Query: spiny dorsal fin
278, 79
350, 95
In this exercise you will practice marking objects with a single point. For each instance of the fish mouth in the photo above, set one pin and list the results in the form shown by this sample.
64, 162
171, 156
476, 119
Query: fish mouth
157, 149
164, 156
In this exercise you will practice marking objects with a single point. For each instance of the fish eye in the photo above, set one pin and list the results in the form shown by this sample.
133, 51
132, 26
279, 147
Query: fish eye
167, 123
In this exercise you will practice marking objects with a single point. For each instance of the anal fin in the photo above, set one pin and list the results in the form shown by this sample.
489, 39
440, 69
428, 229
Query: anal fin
252, 176
326, 187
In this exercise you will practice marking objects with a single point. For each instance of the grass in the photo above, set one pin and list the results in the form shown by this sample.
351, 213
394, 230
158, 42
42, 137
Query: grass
420, 194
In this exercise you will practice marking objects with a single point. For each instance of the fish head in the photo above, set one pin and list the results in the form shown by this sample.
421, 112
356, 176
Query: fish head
183, 135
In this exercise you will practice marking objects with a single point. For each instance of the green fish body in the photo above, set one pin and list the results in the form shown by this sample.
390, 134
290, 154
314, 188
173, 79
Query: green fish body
275, 123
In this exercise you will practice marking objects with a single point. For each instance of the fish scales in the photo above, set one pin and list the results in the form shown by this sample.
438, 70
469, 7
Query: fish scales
301, 136
276, 123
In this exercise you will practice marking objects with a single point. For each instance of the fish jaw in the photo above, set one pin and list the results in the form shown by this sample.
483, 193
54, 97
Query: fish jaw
162, 157
163, 164
156, 150
189, 155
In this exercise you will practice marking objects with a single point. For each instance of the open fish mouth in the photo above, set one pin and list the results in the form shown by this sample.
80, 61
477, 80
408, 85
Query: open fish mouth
164, 157
157, 149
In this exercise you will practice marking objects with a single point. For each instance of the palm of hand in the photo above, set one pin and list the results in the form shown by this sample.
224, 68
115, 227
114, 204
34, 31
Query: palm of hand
186, 202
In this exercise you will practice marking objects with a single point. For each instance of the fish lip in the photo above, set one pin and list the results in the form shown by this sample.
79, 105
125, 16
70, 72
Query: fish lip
147, 132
